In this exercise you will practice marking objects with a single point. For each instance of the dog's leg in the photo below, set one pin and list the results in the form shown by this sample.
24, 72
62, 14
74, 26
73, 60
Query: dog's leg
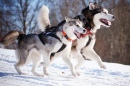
17, 67
20, 64
35, 56
46, 63
68, 62
80, 62
66, 59
91, 54
35, 64
21, 55
75, 54
46, 70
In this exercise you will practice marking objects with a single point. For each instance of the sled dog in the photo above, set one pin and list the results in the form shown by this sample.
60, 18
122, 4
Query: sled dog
94, 16
32, 46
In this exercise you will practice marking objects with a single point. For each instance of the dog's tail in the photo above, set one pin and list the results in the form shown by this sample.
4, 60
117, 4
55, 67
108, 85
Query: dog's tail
10, 37
43, 18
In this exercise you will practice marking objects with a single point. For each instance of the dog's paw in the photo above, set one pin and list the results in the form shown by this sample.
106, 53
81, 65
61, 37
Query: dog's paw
47, 74
37, 74
23, 74
74, 74
40, 75
78, 74
103, 66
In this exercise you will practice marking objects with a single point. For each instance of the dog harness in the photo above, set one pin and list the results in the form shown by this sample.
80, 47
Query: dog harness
43, 35
65, 35
87, 33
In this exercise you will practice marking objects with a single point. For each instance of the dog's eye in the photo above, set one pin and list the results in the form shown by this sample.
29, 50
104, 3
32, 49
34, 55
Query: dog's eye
77, 25
105, 12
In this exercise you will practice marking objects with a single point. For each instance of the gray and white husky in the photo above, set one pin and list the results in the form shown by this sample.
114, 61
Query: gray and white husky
32, 46
93, 17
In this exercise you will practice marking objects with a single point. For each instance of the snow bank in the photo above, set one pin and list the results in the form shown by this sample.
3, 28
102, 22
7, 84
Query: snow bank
91, 74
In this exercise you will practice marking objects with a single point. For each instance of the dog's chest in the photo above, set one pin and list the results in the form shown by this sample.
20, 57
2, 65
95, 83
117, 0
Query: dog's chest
81, 43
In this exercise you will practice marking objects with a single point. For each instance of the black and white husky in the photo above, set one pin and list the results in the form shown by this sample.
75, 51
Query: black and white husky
93, 17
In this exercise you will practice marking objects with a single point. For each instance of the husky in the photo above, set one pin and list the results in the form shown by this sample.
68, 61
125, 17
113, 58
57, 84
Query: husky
93, 17
32, 46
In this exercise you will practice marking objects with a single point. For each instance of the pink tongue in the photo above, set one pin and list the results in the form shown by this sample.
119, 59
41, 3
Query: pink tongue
77, 34
106, 21
109, 23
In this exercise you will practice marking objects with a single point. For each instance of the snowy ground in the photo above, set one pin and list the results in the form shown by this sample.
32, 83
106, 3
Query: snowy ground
91, 74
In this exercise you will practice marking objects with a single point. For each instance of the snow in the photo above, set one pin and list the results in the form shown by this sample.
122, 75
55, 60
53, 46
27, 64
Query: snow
91, 74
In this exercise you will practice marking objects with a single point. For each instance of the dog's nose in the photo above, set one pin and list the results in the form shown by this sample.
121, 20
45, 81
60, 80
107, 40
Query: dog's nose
84, 31
113, 17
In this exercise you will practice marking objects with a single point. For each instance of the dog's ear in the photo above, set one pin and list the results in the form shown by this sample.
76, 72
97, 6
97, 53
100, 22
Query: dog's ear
67, 19
95, 3
91, 6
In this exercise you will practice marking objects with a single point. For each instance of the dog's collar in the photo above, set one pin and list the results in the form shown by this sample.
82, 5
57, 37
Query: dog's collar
87, 33
65, 35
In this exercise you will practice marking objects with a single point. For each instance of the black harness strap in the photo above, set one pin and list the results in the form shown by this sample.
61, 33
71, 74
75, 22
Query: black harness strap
53, 35
89, 40
62, 47
83, 55
42, 38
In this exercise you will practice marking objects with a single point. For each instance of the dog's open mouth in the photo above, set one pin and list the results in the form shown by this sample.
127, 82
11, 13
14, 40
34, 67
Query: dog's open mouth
105, 21
77, 34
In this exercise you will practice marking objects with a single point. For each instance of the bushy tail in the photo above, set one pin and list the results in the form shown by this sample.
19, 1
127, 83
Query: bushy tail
43, 18
9, 38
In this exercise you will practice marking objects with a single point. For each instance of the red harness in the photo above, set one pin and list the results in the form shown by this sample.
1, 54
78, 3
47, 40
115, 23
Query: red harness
87, 33
65, 35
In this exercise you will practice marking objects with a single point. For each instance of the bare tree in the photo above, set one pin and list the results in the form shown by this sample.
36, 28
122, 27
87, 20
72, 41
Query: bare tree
26, 14
5, 16
20, 14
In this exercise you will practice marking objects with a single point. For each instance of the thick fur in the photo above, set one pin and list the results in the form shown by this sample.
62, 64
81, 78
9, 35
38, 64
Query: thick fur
32, 48
9, 38
43, 18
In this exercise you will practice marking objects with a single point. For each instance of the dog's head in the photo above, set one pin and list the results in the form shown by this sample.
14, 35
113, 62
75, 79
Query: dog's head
97, 15
74, 27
